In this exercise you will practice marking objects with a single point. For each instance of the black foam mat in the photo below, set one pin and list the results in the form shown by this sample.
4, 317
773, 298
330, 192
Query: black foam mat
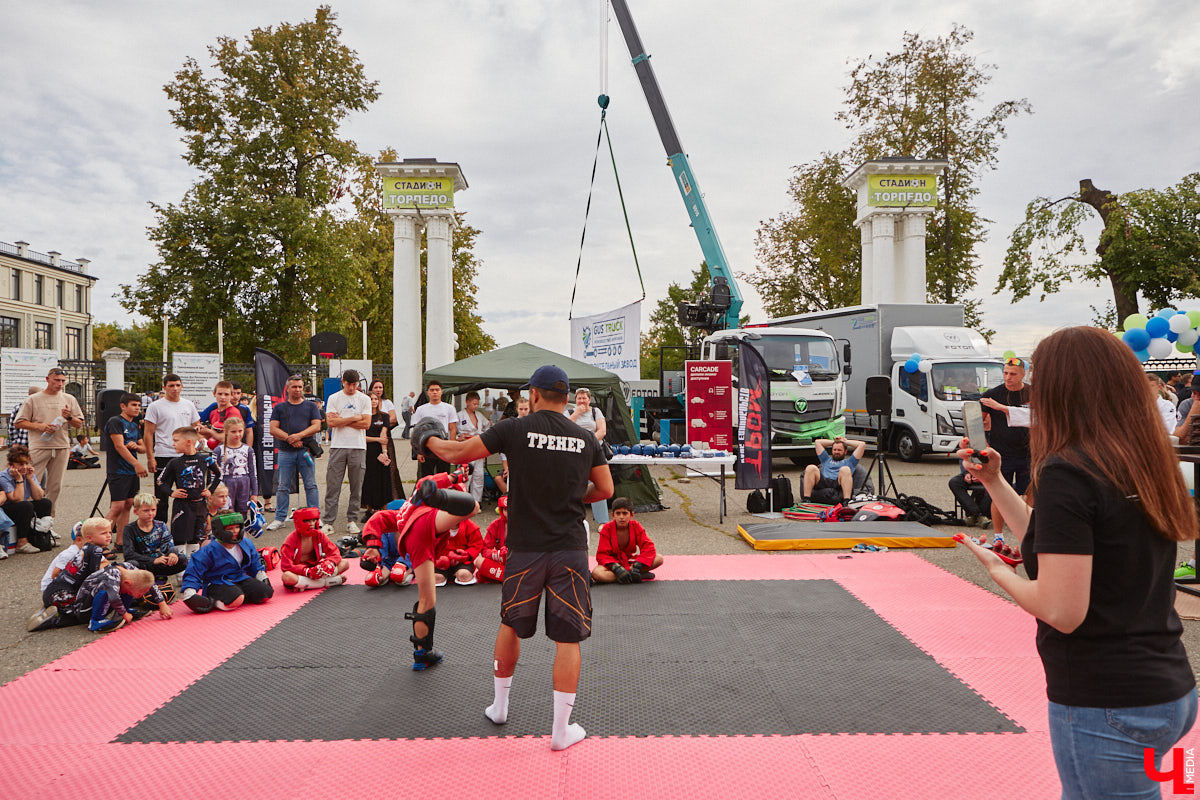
669, 658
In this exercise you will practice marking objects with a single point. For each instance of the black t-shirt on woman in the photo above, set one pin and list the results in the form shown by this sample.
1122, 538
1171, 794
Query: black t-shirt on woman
1127, 652
551, 459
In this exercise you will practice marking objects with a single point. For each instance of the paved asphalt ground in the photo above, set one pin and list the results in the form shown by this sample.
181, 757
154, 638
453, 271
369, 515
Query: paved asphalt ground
688, 526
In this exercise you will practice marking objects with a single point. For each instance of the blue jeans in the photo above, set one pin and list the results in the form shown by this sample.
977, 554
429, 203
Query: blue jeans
1098, 751
289, 461
600, 511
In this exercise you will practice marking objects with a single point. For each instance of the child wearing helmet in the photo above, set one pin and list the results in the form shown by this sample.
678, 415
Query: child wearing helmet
226, 573
310, 559
489, 564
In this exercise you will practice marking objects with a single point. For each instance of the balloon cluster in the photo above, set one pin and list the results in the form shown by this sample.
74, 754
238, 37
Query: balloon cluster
1164, 333
915, 363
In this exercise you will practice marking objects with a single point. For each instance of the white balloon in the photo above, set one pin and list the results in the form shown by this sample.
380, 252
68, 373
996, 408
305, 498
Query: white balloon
1160, 348
1189, 337
925, 365
1179, 323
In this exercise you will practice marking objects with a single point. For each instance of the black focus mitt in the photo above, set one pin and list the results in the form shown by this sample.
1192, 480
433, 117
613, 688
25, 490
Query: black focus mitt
425, 430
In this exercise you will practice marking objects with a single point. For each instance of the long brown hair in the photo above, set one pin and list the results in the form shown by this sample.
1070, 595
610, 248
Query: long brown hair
1091, 409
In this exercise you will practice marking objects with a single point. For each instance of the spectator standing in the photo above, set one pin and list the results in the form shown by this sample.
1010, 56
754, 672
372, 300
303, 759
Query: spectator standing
588, 417
51, 413
348, 415
406, 411
377, 484
1011, 442
385, 405
435, 409
124, 471
164, 416
295, 420
472, 422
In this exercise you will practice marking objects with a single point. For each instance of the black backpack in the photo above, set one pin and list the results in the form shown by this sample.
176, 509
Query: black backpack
756, 502
781, 493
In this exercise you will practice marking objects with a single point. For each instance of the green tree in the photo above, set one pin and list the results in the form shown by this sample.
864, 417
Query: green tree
261, 237
143, 341
1149, 246
809, 257
921, 102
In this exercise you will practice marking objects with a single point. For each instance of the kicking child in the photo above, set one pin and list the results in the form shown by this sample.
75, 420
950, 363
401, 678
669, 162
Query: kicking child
625, 553
309, 559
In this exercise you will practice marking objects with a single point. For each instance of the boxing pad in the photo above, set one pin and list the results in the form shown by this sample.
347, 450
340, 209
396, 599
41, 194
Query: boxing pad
490, 571
460, 504
398, 570
425, 430
377, 578
270, 557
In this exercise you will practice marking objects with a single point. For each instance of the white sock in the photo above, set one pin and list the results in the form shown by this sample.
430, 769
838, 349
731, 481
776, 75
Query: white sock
565, 733
304, 582
497, 712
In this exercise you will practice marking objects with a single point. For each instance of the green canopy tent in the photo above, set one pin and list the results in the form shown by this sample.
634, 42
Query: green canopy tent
510, 367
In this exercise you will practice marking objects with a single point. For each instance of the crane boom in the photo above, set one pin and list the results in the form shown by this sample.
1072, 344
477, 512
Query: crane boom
723, 307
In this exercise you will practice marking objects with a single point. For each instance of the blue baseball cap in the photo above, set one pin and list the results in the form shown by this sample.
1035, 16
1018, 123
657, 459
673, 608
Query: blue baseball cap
550, 378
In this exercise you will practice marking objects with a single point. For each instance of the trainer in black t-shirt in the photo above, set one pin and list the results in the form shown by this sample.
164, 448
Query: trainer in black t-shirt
1011, 443
1127, 651
554, 458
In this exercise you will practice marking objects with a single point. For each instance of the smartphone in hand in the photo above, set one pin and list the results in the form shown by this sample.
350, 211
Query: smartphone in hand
976, 437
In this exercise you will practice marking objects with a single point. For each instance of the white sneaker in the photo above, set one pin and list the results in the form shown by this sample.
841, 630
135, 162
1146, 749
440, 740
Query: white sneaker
327, 529
3, 552
274, 525
352, 527
28, 549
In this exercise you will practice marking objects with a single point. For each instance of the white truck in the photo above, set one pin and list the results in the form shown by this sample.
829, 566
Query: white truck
926, 414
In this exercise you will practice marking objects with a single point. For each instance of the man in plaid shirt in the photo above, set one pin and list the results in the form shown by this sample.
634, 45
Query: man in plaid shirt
19, 435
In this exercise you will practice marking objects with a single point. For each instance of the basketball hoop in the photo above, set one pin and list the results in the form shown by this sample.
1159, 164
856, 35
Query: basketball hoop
326, 355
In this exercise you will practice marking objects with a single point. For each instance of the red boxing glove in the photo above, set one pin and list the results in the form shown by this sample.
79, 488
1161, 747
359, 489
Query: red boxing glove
459, 556
325, 567
442, 562
398, 570
377, 578
503, 554
313, 572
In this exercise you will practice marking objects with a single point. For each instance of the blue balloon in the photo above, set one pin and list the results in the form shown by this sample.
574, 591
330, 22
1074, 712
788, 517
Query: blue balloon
911, 366
1137, 339
1157, 327
915, 357
1142, 355
1166, 313
1172, 336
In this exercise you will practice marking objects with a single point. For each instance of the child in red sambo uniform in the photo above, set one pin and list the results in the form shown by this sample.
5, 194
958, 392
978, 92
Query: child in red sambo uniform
625, 553
489, 564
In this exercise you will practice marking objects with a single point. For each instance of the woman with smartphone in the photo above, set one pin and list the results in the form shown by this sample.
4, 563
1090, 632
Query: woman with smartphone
1099, 545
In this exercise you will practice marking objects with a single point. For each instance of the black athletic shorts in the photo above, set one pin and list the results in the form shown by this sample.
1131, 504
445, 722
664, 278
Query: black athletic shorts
123, 487
564, 578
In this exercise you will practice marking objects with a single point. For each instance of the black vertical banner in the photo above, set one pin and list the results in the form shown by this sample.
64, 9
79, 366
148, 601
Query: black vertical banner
270, 382
754, 420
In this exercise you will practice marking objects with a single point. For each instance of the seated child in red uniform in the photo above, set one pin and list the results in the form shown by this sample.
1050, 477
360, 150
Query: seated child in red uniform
489, 564
438, 504
456, 553
309, 559
625, 553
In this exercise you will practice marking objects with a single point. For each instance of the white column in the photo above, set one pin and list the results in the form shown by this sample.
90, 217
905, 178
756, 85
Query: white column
910, 277
883, 257
114, 367
868, 266
406, 304
439, 291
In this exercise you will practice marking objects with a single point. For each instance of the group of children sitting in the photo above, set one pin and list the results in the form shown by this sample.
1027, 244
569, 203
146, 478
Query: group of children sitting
205, 551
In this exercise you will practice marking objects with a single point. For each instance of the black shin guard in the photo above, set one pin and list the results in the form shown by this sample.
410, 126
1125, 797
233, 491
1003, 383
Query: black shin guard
423, 653
460, 504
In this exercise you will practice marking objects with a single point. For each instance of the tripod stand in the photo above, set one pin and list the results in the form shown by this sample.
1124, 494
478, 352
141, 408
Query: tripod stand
883, 425
96, 505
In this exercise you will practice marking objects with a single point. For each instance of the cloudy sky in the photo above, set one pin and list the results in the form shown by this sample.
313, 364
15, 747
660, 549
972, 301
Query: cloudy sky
507, 89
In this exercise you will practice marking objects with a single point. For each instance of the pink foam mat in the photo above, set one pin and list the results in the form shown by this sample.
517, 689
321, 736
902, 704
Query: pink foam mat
113, 682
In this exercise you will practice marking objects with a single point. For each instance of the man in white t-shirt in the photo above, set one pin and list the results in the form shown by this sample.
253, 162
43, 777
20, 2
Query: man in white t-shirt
162, 417
435, 409
348, 414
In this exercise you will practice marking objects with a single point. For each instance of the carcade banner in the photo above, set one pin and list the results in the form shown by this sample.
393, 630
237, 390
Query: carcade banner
902, 191
610, 341
418, 193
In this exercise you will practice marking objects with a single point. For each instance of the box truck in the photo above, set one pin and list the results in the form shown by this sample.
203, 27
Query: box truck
926, 413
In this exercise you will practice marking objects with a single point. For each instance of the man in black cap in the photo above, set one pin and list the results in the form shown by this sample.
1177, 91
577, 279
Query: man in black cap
560, 470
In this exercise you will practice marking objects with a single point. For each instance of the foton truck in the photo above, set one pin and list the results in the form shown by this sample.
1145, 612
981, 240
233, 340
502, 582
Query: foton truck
926, 406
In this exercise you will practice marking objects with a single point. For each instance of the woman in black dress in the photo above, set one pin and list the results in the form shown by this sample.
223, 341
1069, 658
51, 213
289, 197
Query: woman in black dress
377, 483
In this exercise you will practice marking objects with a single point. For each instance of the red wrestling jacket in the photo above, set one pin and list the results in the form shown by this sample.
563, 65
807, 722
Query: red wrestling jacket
323, 548
640, 547
466, 536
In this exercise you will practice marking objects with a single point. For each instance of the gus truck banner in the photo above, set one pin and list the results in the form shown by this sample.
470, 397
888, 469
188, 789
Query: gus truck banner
610, 341
270, 382
754, 420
